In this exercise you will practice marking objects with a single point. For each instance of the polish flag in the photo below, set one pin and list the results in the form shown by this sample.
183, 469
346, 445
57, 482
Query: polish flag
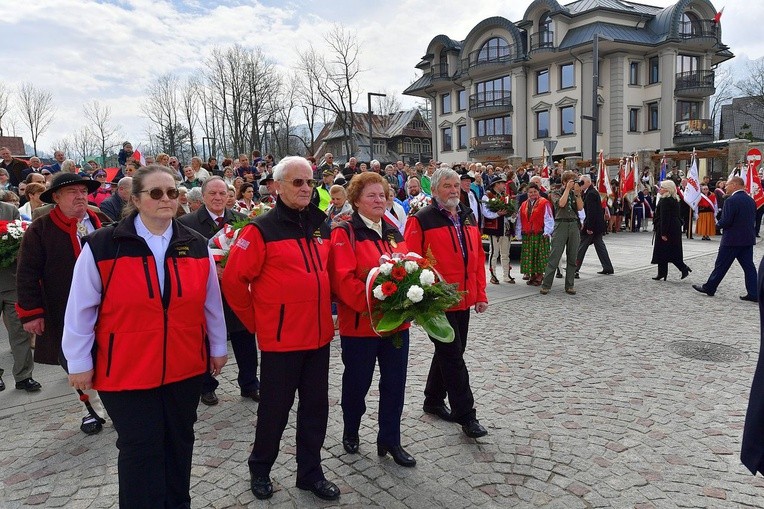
603, 182
692, 190
138, 156
718, 16
628, 184
753, 185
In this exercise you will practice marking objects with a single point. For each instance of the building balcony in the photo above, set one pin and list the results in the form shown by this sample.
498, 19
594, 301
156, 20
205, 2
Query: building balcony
439, 72
698, 29
695, 84
487, 104
699, 130
542, 41
488, 59
498, 144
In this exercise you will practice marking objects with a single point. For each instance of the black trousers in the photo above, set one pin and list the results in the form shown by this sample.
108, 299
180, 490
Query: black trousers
448, 373
360, 356
155, 438
245, 351
281, 374
599, 246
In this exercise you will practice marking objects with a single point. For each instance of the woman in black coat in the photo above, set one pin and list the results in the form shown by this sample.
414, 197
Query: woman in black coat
668, 232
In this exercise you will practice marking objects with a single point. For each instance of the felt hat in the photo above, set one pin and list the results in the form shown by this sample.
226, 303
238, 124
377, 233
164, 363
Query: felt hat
62, 180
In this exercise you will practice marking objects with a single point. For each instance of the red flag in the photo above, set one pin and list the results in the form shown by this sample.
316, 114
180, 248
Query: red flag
545, 171
603, 182
627, 185
718, 16
753, 185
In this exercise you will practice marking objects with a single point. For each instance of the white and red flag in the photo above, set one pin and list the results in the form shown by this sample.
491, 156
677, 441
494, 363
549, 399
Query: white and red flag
603, 181
692, 190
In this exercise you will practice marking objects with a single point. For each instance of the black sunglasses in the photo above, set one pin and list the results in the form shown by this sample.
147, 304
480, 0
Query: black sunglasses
157, 193
301, 182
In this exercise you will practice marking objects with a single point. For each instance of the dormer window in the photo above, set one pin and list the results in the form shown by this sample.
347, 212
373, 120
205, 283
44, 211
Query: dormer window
494, 49
690, 25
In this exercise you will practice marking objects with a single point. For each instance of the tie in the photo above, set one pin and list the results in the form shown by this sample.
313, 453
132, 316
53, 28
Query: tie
220, 220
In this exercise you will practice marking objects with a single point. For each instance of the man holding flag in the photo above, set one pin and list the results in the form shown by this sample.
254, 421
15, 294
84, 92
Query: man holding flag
738, 238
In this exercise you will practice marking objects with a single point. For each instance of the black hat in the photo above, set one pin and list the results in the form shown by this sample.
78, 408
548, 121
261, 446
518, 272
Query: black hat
266, 178
500, 178
62, 180
467, 175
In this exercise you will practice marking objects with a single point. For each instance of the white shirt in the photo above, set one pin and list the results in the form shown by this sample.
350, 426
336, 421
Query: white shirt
85, 298
377, 227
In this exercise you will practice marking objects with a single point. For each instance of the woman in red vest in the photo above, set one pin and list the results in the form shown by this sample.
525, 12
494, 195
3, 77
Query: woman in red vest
534, 226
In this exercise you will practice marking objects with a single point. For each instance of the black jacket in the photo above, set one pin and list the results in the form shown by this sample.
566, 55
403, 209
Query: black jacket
595, 214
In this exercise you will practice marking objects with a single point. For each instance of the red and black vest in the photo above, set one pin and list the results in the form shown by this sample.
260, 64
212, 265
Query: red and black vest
146, 338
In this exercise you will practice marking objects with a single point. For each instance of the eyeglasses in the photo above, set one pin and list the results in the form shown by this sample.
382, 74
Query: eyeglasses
157, 193
301, 182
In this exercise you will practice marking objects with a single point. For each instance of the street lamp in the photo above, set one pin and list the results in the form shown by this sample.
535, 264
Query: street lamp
595, 84
371, 135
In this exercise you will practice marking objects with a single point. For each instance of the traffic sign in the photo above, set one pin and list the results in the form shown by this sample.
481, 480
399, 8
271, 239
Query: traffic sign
754, 155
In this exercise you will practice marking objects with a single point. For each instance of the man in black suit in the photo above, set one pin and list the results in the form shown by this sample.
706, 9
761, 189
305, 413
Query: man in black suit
738, 237
113, 205
593, 227
207, 220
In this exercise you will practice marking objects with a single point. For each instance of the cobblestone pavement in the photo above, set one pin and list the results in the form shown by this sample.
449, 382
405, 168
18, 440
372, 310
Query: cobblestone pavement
586, 403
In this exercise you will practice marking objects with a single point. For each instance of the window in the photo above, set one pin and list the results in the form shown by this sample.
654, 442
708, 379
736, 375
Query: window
687, 110
494, 49
493, 92
653, 121
542, 124
634, 73
380, 147
461, 100
633, 120
654, 74
445, 103
567, 76
567, 120
445, 135
687, 63
494, 126
426, 147
407, 148
542, 81
545, 22
461, 138
417, 146
690, 26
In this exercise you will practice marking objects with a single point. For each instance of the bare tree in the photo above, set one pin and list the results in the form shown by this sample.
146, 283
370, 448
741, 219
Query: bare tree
65, 145
5, 97
99, 117
386, 106
84, 143
311, 104
189, 102
753, 87
335, 77
162, 109
36, 108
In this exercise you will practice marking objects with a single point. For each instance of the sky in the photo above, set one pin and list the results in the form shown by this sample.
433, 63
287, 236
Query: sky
110, 50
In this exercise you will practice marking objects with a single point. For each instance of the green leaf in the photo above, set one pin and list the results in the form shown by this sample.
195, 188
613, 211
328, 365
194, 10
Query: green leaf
437, 326
390, 321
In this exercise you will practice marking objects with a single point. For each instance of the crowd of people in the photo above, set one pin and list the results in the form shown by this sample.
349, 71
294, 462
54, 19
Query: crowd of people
303, 224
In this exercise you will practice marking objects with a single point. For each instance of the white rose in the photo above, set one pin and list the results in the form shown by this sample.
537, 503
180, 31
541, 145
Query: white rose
411, 266
415, 294
427, 277
378, 293
386, 268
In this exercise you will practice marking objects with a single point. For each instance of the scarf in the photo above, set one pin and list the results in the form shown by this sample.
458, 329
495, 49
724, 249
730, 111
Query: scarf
69, 225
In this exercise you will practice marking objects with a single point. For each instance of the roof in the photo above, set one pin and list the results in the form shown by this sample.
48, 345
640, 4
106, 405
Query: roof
15, 144
582, 6
420, 84
619, 33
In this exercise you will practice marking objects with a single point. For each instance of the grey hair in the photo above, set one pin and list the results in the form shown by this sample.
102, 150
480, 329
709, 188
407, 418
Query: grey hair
280, 169
374, 162
196, 158
67, 165
445, 166
586, 177
125, 183
441, 174
213, 178
670, 186
195, 194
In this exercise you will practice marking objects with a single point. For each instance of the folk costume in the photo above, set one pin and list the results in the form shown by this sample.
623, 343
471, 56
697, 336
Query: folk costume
534, 227
707, 209
499, 228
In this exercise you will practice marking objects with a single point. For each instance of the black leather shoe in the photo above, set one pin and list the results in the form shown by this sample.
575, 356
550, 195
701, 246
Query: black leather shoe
2, 384
577, 276
399, 454
209, 398
441, 411
702, 289
350, 442
558, 275
261, 487
748, 298
29, 385
686, 272
324, 489
90, 425
606, 272
474, 429
254, 394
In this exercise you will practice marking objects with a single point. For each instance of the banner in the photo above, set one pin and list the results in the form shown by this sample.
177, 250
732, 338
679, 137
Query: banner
603, 181
692, 191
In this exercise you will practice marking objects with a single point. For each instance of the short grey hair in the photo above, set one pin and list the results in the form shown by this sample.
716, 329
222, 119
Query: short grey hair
280, 169
213, 178
374, 162
67, 165
441, 174
195, 195
588, 178
125, 183
197, 159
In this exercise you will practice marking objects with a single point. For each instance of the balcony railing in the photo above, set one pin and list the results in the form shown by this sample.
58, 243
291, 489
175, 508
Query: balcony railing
485, 145
440, 71
695, 83
698, 28
493, 102
542, 40
693, 131
488, 56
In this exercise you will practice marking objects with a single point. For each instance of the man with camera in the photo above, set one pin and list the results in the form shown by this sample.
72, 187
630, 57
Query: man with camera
565, 235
